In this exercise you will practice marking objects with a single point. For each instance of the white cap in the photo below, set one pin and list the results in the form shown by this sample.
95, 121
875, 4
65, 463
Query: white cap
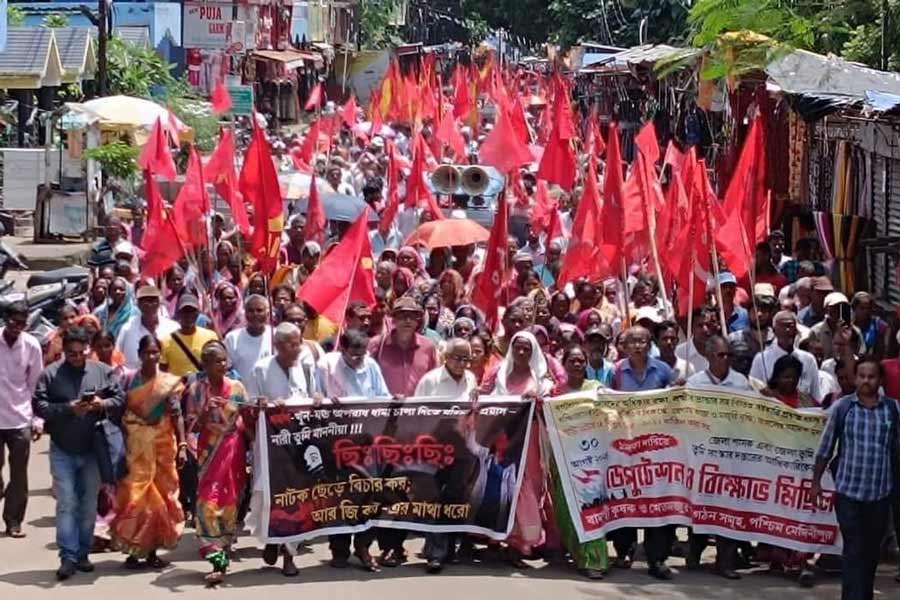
835, 298
647, 312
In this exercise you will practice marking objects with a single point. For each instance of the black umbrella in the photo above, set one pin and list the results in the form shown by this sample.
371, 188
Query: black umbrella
338, 207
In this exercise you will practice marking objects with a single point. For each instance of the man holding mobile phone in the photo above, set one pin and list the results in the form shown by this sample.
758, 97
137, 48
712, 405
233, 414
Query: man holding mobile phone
837, 317
71, 396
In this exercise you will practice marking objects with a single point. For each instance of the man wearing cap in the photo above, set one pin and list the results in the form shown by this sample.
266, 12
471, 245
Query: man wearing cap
735, 316
598, 368
759, 334
405, 357
181, 349
147, 322
815, 312
834, 304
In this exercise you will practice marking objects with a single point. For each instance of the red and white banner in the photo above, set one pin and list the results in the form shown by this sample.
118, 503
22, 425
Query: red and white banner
730, 464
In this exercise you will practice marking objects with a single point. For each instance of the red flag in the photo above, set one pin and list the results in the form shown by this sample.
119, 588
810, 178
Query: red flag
462, 103
221, 99
416, 188
448, 134
192, 205
310, 145
612, 194
585, 256
641, 192
694, 243
315, 98
747, 193
558, 162
595, 143
393, 197
348, 114
155, 156
502, 148
344, 275
315, 215
155, 209
220, 171
259, 185
489, 285
540, 214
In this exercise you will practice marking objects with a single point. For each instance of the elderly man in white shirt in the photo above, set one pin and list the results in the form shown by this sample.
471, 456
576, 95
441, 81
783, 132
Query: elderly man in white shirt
147, 322
718, 374
785, 328
279, 379
453, 380
248, 345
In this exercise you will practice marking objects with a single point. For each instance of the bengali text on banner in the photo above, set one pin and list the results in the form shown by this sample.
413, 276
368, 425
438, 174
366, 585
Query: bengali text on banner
421, 464
722, 462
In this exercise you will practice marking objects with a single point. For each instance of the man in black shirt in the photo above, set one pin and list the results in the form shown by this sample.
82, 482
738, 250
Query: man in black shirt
71, 396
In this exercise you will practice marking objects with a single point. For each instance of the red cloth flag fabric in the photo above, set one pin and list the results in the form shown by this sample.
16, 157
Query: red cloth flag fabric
220, 171
747, 194
348, 113
393, 197
259, 185
462, 102
155, 208
192, 206
448, 134
156, 157
641, 191
309, 147
502, 148
558, 162
585, 256
314, 100
416, 189
541, 213
595, 143
344, 275
612, 222
315, 215
489, 285
693, 242
221, 99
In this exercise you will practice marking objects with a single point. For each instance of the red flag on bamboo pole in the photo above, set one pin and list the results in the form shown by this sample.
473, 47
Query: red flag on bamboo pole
221, 99
314, 100
259, 185
315, 215
192, 205
220, 171
489, 285
586, 256
161, 244
747, 194
156, 157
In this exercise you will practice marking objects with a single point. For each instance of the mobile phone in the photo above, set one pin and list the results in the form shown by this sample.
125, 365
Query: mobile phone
845, 313
87, 396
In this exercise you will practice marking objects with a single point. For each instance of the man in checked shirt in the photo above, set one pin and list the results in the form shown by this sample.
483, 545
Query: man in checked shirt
864, 427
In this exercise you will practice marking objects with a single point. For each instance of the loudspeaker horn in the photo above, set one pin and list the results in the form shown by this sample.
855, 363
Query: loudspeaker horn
445, 179
475, 180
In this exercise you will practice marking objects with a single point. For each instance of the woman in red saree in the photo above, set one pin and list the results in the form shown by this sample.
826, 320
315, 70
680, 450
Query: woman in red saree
217, 407
148, 514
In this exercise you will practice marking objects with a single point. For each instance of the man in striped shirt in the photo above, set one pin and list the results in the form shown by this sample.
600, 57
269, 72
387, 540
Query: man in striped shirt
865, 429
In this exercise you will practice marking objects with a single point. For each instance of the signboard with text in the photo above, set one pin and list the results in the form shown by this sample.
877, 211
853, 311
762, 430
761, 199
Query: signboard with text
211, 26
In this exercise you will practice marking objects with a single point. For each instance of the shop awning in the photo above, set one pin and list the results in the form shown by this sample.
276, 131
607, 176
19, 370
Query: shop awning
291, 59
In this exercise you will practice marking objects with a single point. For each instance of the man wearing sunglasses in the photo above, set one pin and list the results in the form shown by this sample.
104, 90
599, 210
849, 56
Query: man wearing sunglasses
718, 374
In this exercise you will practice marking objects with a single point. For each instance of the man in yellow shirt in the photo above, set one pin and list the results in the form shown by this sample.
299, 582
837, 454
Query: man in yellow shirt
181, 349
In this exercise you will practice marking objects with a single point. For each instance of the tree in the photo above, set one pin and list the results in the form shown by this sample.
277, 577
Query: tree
15, 16
377, 24
56, 21
617, 22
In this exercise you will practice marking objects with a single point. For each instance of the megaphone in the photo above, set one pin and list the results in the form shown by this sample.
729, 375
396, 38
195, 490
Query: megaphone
445, 179
475, 180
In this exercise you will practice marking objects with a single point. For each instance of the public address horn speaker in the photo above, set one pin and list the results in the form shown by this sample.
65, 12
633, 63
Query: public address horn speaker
445, 179
475, 180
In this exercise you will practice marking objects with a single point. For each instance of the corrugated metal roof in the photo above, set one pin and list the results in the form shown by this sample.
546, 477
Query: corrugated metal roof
73, 43
137, 35
26, 51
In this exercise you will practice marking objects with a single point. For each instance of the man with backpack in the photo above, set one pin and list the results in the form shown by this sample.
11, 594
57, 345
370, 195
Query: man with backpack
862, 436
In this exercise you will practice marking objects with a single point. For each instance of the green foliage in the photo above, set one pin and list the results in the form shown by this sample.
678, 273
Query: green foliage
56, 21
117, 160
134, 70
197, 115
376, 24
15, 16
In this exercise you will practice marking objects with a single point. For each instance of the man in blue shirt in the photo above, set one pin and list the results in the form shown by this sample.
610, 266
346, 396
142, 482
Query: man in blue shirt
736, 316
865, 428
639, 372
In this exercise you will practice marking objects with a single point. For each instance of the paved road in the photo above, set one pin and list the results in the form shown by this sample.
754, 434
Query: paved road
27, 572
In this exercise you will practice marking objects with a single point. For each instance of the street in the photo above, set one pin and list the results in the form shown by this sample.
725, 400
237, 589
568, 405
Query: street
28, 566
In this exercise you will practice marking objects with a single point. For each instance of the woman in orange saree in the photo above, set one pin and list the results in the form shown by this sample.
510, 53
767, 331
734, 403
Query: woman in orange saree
217, 407
148, 514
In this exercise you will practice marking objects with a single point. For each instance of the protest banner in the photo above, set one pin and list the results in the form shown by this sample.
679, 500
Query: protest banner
725, 463
423, 464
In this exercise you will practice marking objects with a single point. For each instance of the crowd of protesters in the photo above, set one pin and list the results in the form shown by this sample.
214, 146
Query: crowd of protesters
183, 363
